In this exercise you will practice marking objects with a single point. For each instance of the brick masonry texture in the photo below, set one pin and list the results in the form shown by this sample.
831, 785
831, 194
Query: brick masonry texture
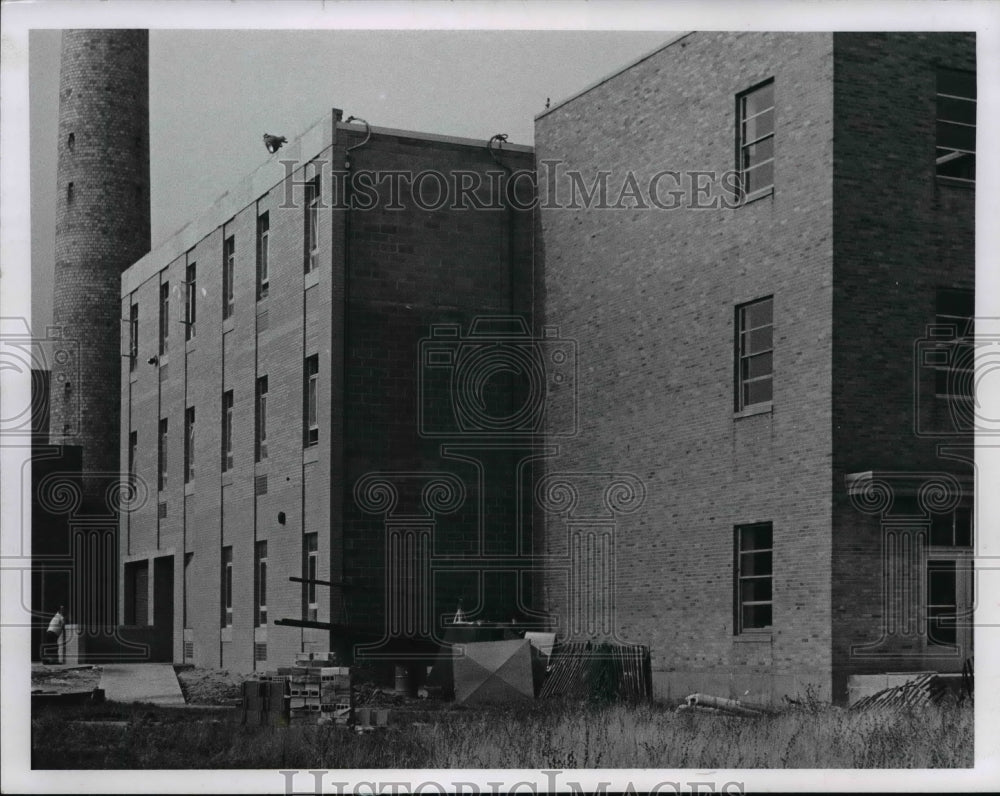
650, 295
407, 270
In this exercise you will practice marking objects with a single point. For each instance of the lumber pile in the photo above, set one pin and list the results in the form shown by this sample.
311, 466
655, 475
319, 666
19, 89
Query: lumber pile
928, 689
584, 670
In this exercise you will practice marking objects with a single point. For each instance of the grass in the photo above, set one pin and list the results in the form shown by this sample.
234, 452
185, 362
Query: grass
547, 735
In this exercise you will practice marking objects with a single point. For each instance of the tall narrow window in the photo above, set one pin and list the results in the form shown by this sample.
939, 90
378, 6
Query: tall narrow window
942, 601
164, 317
954, 355
228, 275
227, 430
310, 570
312, 224
755, 140
133, 336
189, 445
133, 449
227, 586
260, 584
754, 353
263, 242
190, 300
956, 125
162, 480
188, 558
261, 435
753, 569
311, 395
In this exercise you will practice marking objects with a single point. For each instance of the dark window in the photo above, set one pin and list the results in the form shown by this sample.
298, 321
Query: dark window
956, 125
189, 445
164, 317
953, 529
755, 140
754, 353
133, 449
133, 336
942, 601
191, 300
261, 435
310, 570
188, 558
227, 430
228, 275
311, 408
263, 243
162, 481
954, 357
227, 586
753, 568
312, 225
260, 583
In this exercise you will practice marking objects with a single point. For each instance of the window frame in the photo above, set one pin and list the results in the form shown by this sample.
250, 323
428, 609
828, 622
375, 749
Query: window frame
260, 583
227, 586
190, 300
228, 403
742, 359
162, 455
189, 421
228, 277
313, 195
260, 419
743, 143
310, 572
263, 255
739, 578
944, 154
311, 402
164, 318
133, 337
955, 339
133, 452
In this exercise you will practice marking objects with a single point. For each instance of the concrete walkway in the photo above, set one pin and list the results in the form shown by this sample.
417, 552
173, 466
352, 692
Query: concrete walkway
141, 682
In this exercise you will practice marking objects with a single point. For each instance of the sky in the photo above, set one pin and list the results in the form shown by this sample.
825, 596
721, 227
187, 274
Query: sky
213, 93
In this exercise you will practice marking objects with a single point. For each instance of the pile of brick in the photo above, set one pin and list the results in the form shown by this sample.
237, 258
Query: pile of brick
313, 691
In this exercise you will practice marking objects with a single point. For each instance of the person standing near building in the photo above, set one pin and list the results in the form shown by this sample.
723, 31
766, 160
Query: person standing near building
53, 638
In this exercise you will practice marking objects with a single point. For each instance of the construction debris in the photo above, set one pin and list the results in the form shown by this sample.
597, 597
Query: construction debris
599, 671
706, 703
314, 691
927, 689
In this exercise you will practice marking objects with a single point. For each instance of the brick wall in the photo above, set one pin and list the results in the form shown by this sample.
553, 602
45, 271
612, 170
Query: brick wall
649, 297
900, 234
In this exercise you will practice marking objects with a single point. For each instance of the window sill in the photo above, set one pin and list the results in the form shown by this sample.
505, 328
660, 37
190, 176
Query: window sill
227, 633
262, 301
162, 359
189, 488
227, 478
190, 345
310, 454
756, 409
133, 376
754, 637
312, 278
227, 324
761, 194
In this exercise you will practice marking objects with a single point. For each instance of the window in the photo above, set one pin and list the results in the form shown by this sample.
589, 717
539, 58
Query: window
227, 586
942, 602
263, 241
956, 125
164, 317
953, 529
188, 558
311, 411
312, 225
260, 584
261, 430
162, 481
228, 275
189, 445
190, 300
754, 353
755, 141
310, 571
227, 431
133, 449
133, 336
753, 568
954, 355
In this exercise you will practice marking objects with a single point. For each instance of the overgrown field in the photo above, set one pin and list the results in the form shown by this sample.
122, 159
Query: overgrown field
548, 735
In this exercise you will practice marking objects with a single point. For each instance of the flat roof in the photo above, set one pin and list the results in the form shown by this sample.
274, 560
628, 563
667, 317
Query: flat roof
615, 74
305, 148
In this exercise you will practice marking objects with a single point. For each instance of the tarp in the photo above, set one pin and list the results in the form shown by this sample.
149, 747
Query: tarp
493, 671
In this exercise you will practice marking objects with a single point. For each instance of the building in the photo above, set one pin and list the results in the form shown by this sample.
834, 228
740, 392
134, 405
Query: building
279, 417
778, 349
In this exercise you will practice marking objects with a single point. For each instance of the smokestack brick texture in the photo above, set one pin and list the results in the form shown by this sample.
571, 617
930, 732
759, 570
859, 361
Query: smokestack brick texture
102, 227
